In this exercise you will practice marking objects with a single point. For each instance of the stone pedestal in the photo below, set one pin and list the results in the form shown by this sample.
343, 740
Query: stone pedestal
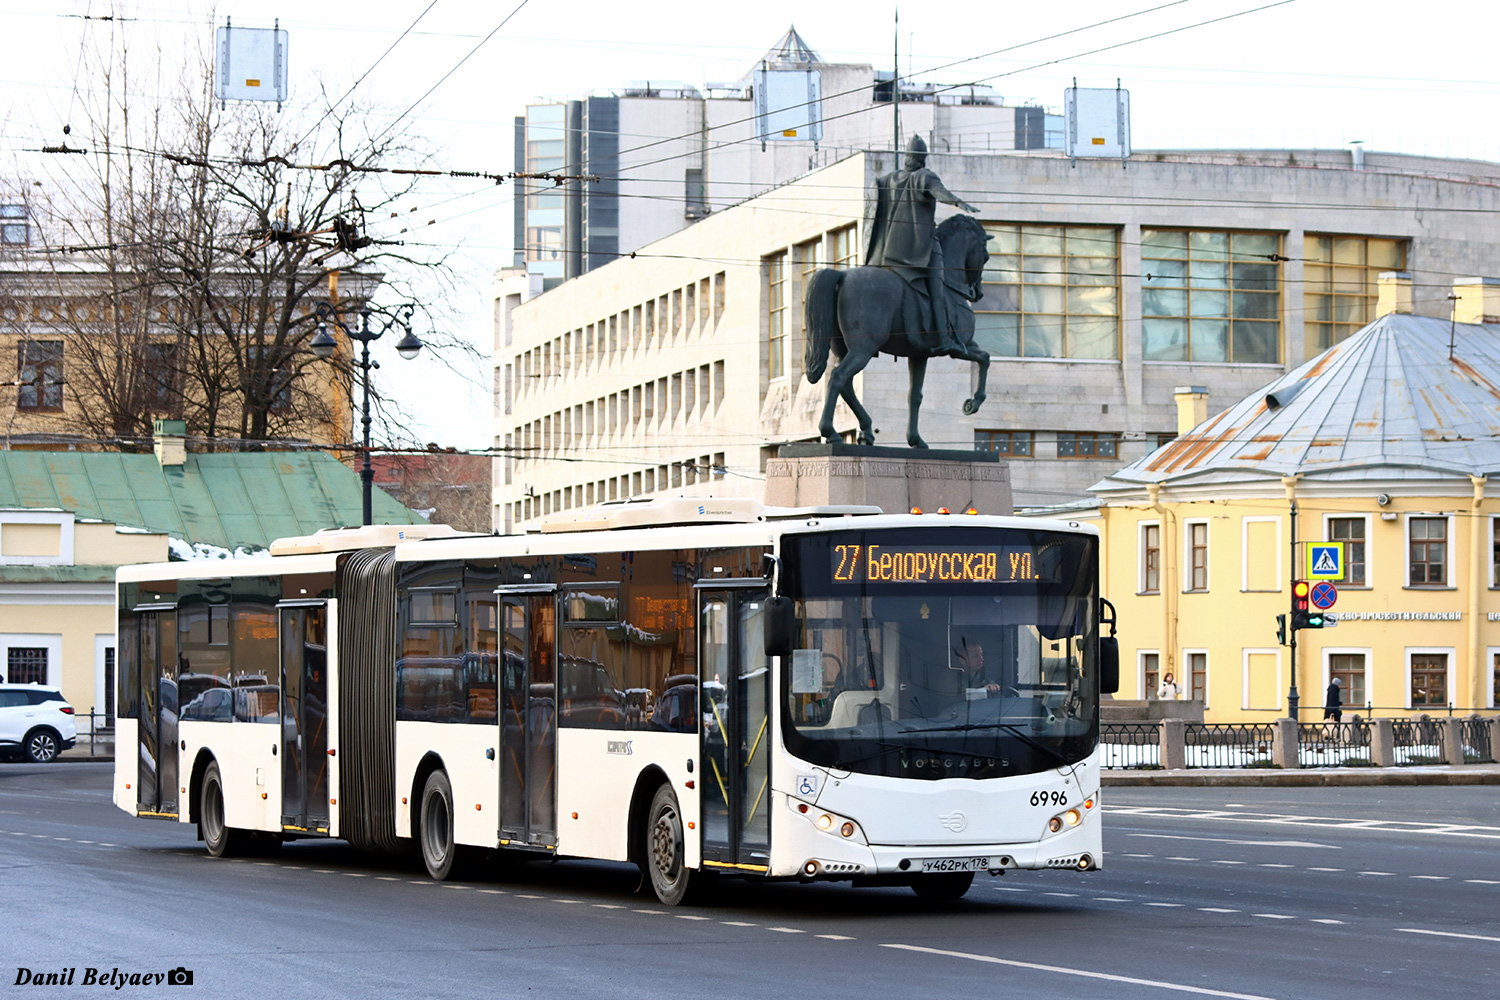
893, 479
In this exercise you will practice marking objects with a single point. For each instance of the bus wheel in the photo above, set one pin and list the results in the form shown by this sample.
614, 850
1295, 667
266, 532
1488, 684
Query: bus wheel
949, 885
220, 840
439, 853
671, 880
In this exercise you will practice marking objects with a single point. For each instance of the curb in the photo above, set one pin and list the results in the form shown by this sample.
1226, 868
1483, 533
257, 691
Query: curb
1268, 778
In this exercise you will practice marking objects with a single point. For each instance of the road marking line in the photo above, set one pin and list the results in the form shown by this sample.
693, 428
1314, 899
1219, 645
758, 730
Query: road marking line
383, 878
786, 930
1273, 865
494, 892
109, 845
1182, 859
1325, 869
737, 923
85, 841
1452, 934
1216, 909
1140, 855
1432, 878
522, 895
1481, 881
1238, 843
1321, 822
690, 916
607, 906
1109, 899
835, 937
1274, 916
1226, 862
356, 875
422, 881
1377, 873
1160, 984
654, 913
1173, 905
1068, 894
325, 871
63, 838
567, 901
450, 885
1326, 920
1009, 888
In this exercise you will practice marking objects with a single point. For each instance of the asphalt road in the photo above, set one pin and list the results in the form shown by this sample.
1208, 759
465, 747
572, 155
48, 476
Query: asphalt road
1288, 893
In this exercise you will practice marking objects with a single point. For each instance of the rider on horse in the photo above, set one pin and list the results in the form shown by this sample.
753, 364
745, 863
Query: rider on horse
901, 240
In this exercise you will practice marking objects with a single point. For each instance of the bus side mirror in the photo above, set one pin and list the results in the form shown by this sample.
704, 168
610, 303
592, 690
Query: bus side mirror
780, 621
1109, 664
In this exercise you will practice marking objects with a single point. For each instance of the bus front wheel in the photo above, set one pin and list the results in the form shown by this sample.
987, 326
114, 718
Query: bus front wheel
671, 879
948, 885
439, 852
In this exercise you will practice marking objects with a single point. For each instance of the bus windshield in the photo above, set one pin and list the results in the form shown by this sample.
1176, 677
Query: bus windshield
942, 652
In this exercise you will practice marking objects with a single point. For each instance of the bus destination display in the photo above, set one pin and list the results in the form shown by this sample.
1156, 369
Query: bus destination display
932, 564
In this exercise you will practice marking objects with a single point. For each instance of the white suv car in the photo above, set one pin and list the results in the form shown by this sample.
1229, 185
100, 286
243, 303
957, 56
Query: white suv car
35, 721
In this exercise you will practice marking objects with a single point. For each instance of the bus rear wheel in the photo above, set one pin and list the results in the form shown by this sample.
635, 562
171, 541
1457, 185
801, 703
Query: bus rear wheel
442, 856
948, 885
221, 840
671, 880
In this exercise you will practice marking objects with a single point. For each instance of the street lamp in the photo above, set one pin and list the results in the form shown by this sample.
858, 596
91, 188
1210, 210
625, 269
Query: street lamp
323, 345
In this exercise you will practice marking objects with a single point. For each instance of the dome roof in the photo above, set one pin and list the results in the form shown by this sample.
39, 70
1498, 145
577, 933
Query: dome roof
1387, 403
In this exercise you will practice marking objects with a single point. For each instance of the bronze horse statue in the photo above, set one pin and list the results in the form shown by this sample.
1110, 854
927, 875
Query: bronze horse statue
863, 311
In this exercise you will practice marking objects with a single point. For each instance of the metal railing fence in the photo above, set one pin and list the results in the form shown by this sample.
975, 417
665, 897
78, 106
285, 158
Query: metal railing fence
1229, 744
1130, 745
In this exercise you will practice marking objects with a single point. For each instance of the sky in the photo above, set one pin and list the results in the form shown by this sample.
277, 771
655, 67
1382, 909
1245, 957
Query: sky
1202, 74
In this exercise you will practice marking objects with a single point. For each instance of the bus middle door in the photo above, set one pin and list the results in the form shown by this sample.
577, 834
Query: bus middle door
528, 716
304, 717
734, 703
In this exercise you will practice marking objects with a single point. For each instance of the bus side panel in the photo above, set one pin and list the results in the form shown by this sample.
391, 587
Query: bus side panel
250, 770
127, 763
597, 776
474, 777
331, 661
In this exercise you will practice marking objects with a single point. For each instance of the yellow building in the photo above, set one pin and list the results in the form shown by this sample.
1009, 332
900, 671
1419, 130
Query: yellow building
1389, 444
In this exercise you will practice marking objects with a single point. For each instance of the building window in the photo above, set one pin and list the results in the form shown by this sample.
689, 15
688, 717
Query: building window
26, 665
13, 229
776, 305
1495, 680
1150, 558
1350, 531
1087, 444
1163, 439
1197, 664
1015, 444
1429, 680
1197, 538
1429, 551
41, 375
1210, 296
1340, 282
1150, 674
1349, 670
544, 202
1495, 552
1051, 292
842, 248
159, 378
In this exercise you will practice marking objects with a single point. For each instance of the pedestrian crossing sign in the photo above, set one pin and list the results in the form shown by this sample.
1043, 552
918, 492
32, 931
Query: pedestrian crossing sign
1325, 561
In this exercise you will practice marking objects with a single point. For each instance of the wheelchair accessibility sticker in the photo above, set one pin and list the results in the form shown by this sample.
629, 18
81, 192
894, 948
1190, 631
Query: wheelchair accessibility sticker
807, 785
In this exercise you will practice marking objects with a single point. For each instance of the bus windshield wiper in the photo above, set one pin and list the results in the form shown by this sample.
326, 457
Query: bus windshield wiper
1011, 728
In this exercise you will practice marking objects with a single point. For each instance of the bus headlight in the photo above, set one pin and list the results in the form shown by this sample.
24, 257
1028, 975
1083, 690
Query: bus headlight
835, 825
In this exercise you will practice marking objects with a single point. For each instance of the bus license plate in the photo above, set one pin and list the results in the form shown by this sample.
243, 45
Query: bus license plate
955, 864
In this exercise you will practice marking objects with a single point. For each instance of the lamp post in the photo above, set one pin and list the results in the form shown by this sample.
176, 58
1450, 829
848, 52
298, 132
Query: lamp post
323, 345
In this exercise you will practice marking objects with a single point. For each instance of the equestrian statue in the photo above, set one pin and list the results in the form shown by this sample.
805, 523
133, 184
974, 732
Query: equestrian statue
910, 300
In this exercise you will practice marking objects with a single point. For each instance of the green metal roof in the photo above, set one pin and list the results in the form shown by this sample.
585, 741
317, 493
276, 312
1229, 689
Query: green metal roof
229, 500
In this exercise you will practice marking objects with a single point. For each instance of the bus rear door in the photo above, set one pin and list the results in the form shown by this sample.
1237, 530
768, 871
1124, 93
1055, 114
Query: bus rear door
156, 783
528, 717
734, 702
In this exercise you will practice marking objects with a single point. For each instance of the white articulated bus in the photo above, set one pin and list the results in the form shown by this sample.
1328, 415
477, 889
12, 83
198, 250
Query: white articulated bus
702, 687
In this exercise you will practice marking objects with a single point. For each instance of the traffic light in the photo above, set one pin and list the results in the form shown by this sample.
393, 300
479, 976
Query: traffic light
1281, 630
1303, 615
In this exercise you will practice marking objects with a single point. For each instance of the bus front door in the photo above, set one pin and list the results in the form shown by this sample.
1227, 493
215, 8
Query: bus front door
528, 719
734, 702
304, 717
157, 777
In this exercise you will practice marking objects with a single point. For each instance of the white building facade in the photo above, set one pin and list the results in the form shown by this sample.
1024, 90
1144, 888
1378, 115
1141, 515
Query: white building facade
680, 370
